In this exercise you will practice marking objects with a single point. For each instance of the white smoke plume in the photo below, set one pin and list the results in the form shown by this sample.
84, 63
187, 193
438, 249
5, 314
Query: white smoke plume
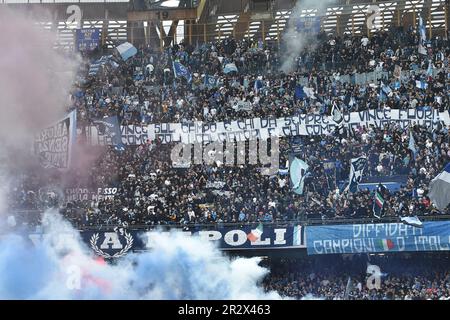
293, 40
179, 267
34, 80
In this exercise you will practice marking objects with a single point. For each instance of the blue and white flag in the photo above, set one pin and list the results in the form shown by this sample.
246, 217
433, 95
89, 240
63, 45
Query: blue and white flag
440, 189
299, 93
412, 145
357, 167
386, 89
421, 84
181, 71
97, 64
53, 145
258, 85
423, 37
126, 50
230, 67
297, 172
336, 113
430, 68
110, 127
210, 81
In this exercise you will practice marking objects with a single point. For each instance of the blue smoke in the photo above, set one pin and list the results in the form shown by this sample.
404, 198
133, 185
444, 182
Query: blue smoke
179, 267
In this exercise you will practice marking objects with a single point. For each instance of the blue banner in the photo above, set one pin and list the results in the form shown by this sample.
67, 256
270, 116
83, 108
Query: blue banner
181, 71
377, 237
110, 127
87, 39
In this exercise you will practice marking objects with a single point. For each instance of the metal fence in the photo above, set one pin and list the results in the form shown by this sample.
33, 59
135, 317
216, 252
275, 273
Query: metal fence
212, 226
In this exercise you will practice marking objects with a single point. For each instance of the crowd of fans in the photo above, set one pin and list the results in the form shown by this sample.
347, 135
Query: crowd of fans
144, 90
413, 277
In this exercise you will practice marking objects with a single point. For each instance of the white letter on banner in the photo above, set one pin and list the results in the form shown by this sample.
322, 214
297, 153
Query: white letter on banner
229, 153
241, 238
357, 230
279, 236
327, 246
273, 160
175, 157
210, 235
213, 152
337, 246
377, 227
345, 244
393, 229
403, 228
111, 238
443, 246
317, 244
369, 228
260, 242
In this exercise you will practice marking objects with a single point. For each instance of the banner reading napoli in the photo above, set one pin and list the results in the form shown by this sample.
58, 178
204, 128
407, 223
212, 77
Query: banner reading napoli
53, 145
378, 237
117, 242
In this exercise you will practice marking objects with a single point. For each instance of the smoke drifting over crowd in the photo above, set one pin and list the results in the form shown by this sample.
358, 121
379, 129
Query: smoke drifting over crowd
294, 41
34, 80
34, 85
179, 267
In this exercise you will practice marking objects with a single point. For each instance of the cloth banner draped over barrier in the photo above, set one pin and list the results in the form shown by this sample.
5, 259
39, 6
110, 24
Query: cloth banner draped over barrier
120, 241
378, 237
53, 145
263, 128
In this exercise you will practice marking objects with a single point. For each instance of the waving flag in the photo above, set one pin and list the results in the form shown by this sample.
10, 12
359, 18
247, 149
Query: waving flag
256, 233
412, 145
440, 189
386, 89
423, 37
110, 127
412, 221
356, 172
297, 171
299, 93
126, 50
421, 84
181, 71
336, 113
96, 65
210, 81
230, 67
378, 202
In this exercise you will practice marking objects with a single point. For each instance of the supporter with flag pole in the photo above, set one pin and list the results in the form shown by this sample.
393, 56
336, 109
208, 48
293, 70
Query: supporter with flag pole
378, 201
